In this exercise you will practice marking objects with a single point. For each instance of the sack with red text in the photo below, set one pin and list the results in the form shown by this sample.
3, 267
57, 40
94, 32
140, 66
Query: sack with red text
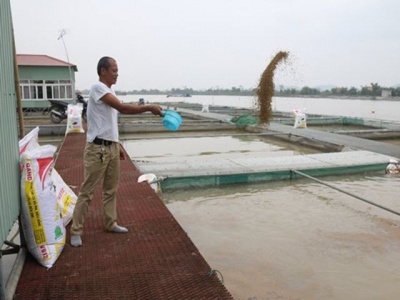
65, 196
74, 121
41, 220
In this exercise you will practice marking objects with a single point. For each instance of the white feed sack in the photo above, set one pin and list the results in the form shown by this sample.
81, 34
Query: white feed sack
65, 196
300, 120
74, 121
42, 222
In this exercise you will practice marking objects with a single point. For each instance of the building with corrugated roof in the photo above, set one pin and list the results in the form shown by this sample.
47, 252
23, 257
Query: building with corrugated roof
43, 78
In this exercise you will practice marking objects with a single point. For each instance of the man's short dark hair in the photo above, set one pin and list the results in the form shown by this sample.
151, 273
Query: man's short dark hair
104, 62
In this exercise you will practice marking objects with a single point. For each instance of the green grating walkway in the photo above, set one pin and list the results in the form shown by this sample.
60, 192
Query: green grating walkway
155, 260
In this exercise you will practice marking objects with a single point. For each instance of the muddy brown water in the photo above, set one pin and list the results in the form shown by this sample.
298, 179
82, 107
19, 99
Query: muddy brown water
299, 239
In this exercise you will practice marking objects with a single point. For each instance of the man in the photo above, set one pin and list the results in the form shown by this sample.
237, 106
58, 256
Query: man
102, 152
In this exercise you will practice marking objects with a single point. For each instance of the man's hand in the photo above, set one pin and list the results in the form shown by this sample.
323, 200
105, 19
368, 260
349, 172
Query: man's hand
121, 153
156, 110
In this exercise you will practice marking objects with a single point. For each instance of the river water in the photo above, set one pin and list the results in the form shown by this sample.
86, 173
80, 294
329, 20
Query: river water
373, 109
291, 239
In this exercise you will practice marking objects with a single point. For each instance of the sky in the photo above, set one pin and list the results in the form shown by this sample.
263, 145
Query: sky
202, 44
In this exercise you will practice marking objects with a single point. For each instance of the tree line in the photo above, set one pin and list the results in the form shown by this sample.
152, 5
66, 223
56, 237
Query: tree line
371, 90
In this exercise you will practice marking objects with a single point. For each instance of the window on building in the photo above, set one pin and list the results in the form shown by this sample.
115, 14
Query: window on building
33, 92
46, 89
65, 89
56, 91
24, 89
49, 92
25, 92
39, 91
50, 87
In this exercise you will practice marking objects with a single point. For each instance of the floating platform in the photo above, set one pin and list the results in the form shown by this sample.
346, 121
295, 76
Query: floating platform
356, 155
184, 174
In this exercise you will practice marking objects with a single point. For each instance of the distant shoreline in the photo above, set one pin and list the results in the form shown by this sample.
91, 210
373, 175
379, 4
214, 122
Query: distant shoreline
342, 97
288, 96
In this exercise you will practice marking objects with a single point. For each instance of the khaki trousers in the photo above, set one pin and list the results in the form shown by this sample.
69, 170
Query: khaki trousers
101, 163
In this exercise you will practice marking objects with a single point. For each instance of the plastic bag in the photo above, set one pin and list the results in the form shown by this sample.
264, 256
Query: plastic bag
74, 121
205, 108
300, 118
152, 180
393, 167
